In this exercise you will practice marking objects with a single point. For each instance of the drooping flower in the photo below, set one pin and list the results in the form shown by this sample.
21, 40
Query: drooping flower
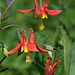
41, 13
50, 69
27, 47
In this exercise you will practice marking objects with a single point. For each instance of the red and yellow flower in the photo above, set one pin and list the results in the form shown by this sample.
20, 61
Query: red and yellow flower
50, 69
27, 47
41, 13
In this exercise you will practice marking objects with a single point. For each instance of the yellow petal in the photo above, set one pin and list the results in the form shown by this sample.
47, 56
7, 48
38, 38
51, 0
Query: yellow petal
21, 48
25, 49
44, 16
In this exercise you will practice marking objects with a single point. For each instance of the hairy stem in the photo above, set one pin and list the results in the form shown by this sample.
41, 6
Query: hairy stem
7, 8
41, 44
11, 26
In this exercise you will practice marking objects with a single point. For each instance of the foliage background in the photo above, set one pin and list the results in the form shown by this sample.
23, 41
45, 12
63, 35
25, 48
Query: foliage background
52, 34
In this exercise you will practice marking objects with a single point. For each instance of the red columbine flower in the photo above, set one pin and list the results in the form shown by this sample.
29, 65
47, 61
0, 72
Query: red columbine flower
27, 47
41, 13
49, 70
23, 47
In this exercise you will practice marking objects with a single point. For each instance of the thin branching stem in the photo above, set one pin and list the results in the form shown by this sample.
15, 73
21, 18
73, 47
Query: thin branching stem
7, 8
11, 26
2, 60
41, 44
4, 70
52, 57
2, 43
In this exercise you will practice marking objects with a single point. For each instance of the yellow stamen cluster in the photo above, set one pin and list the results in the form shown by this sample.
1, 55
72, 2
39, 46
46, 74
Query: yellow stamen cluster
28, 58
41, 27
41, 17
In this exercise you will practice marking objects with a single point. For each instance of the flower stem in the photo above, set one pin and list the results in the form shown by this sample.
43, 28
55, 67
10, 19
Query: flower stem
40, 3
41, 26
0, 15
41, 44
52, 57
4, 69
2, 43
7, 8
11, 26
2, 60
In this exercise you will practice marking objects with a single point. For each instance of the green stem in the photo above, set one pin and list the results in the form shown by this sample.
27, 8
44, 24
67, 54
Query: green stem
40, 3
4, 69
2, 60
2, 43
0, 16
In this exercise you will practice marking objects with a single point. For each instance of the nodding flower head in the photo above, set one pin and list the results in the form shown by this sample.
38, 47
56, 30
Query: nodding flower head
27, 48
41, 13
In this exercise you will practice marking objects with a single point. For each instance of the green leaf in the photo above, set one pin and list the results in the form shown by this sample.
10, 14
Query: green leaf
72, 68
67, 50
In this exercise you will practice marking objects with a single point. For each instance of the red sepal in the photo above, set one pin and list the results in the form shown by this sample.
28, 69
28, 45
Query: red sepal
15, 49
53, 12
42, 50
32, 47
31, 39
26, 11
36, 5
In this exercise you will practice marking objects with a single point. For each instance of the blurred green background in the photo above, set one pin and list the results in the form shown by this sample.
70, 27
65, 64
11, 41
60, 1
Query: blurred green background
59, 32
